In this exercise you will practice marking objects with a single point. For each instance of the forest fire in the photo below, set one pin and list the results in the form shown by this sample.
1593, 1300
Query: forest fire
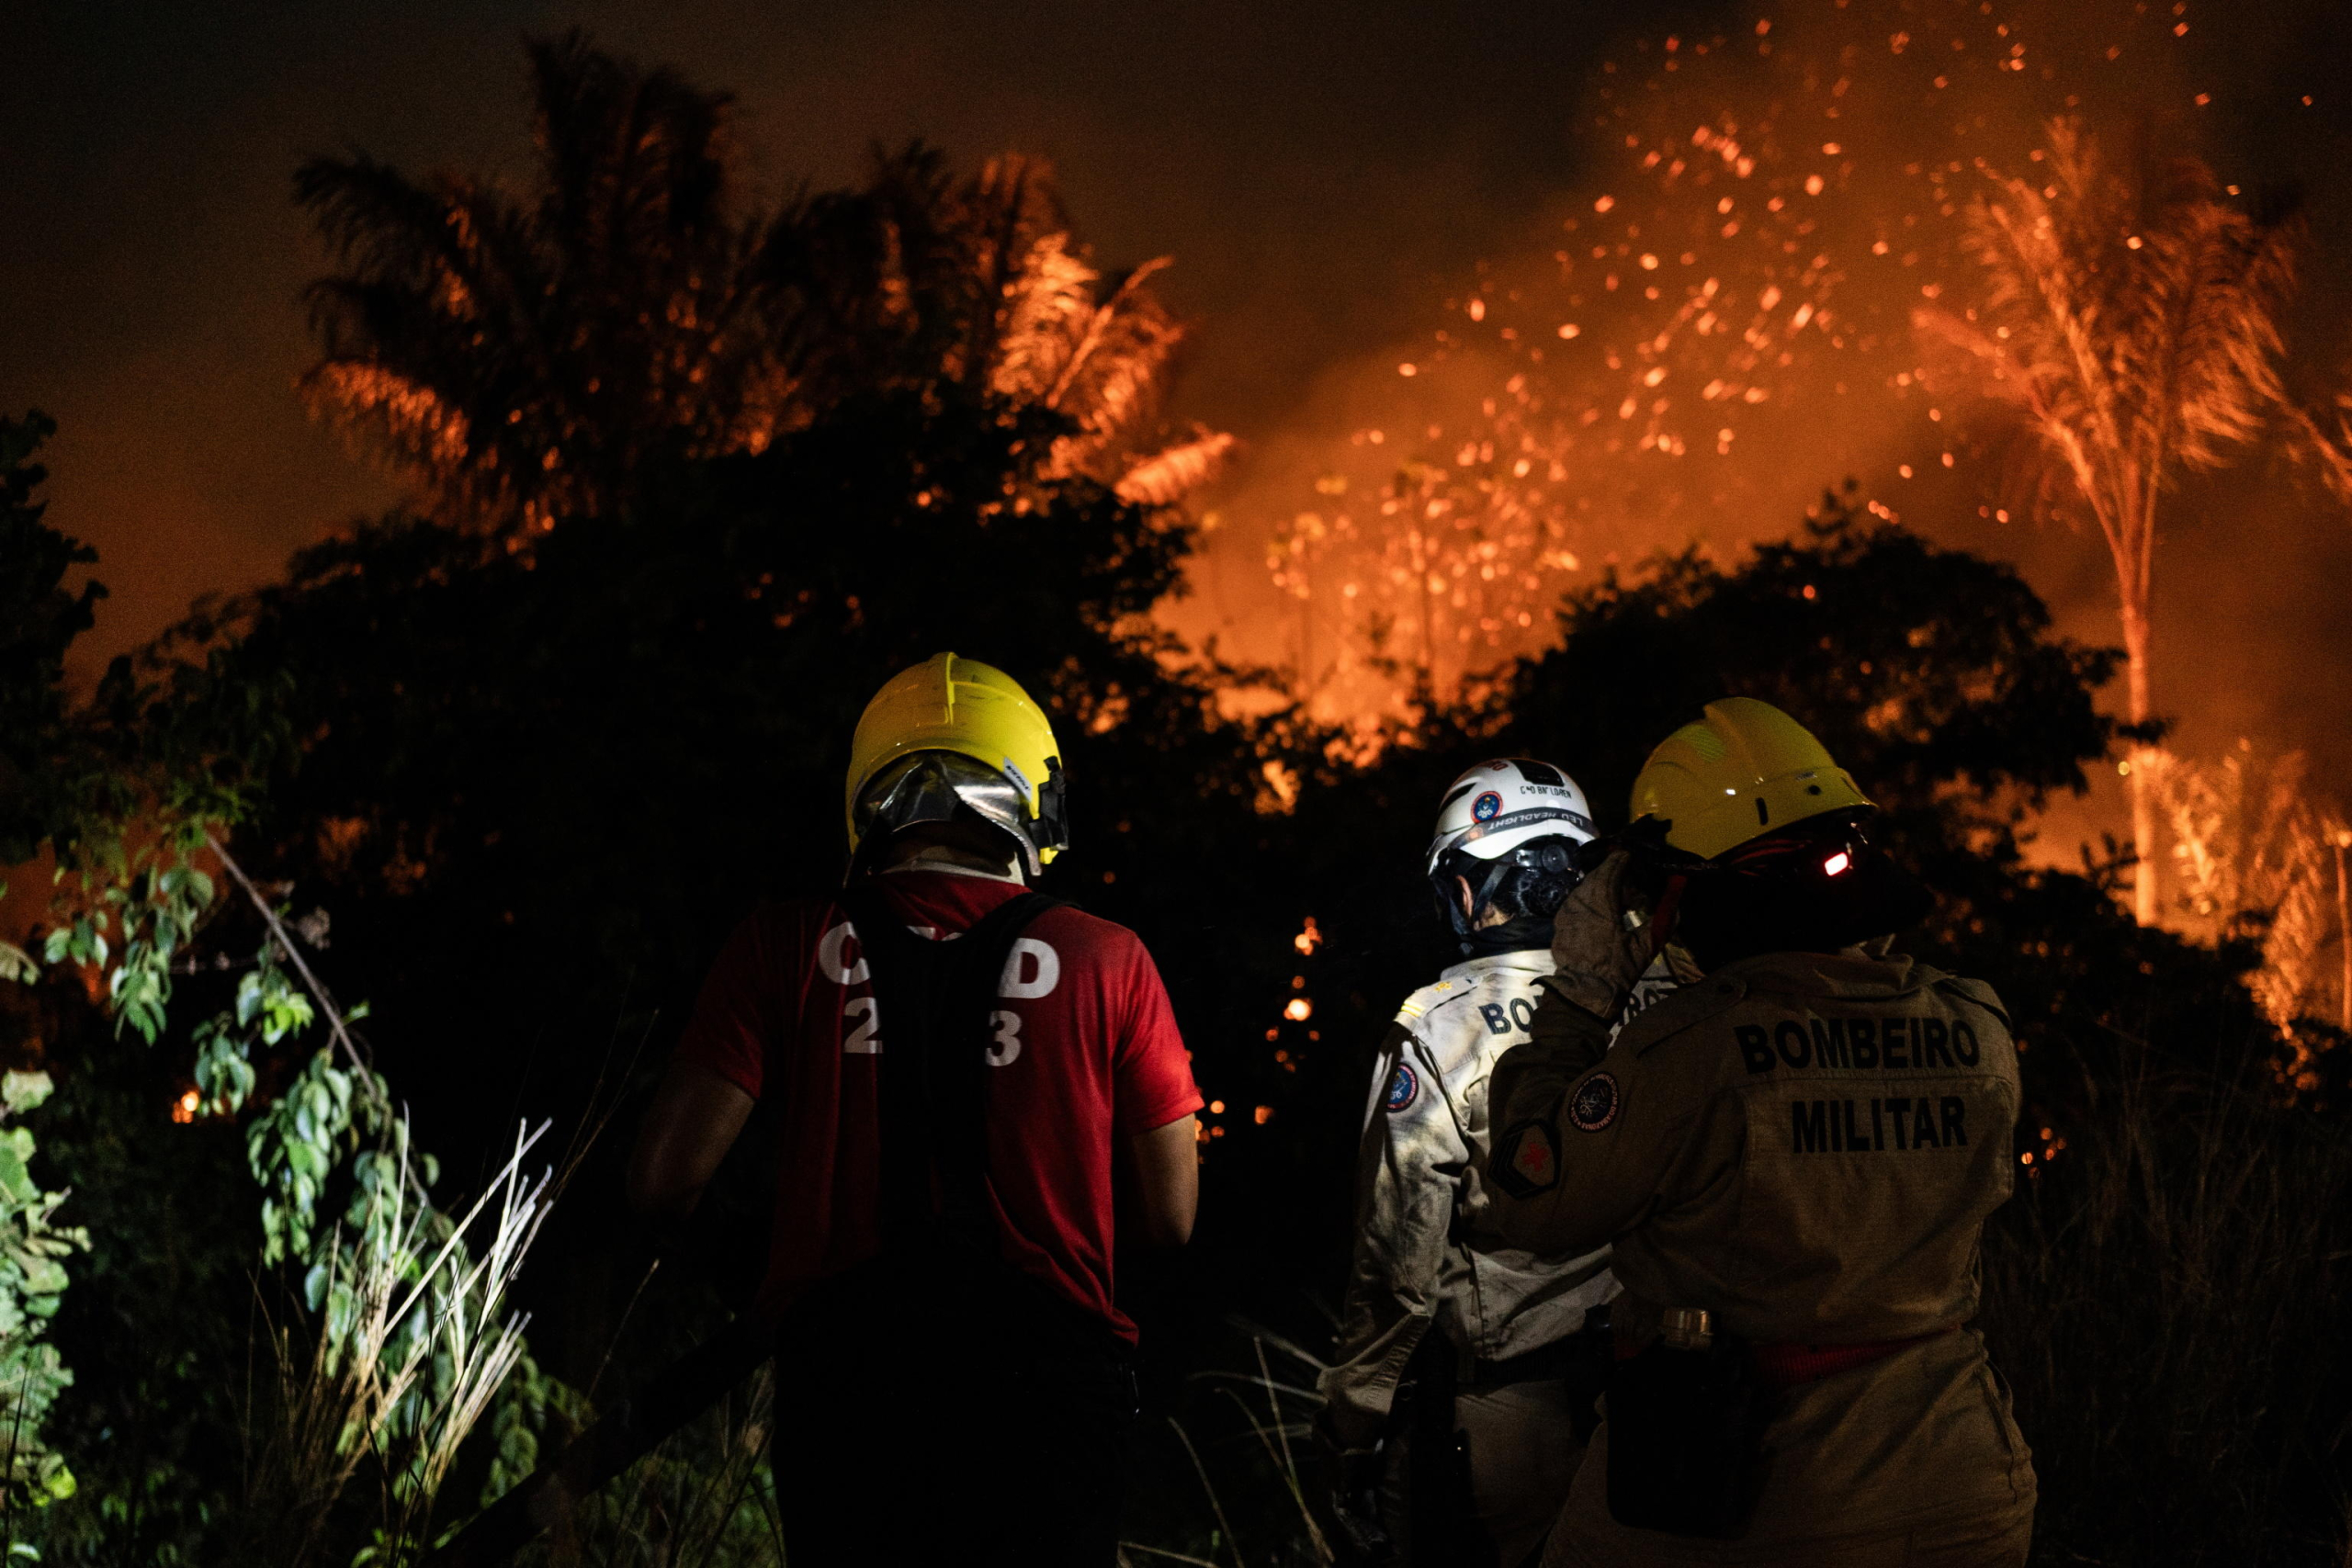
1724, 328
1672, 667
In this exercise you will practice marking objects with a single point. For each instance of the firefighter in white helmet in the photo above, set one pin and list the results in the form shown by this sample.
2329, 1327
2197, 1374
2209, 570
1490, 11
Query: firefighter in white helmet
1462, 1389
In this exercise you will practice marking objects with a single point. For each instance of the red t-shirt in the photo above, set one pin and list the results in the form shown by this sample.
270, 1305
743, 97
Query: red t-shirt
1087, 1053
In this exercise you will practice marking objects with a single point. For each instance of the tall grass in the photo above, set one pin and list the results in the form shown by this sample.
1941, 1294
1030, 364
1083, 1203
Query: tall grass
2169, 1301
413, 1342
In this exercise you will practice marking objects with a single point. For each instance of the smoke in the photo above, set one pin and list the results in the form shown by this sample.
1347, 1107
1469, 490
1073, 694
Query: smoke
1711, 324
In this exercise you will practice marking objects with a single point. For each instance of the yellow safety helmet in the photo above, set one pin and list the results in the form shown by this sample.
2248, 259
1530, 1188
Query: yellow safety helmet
1745, 770
964, 709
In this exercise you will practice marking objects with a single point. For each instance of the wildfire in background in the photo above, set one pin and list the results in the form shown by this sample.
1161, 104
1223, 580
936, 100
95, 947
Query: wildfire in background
1692, 345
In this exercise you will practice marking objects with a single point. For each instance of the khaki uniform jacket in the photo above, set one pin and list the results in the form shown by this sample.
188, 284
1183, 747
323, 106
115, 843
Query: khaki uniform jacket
1427, 1249
1805, 1146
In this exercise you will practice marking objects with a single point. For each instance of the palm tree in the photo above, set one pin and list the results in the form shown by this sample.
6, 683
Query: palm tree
920, 281
521, 356
2131, 316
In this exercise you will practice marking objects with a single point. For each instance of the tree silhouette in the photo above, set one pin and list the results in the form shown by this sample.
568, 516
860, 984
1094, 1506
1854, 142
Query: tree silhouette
525, 356
2130, 314
519, 355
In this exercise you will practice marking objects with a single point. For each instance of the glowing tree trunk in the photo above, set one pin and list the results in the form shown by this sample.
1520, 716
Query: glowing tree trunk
2343, 930
2132, 546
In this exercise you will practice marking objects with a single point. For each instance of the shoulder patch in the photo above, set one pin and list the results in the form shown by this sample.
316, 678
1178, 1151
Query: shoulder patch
1595, 1103
1525, 1162
1404, 1087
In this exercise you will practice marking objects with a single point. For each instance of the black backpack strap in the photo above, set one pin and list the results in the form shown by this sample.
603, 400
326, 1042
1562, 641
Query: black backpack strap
934, 1007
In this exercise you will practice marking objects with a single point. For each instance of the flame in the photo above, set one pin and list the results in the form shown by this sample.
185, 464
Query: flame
1713, 329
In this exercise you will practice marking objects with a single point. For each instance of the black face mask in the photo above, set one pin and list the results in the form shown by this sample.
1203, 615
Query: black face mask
1517, 934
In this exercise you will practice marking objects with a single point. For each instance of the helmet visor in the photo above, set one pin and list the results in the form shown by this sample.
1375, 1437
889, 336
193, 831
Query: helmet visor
938, 787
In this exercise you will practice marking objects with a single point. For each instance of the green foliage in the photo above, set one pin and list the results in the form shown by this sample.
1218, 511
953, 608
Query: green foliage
151, 899
32, 1280
129, 795
529, 1400
294, 1146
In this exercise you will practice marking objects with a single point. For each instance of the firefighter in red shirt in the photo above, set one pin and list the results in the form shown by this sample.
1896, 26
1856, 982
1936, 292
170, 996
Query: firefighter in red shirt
958, 1065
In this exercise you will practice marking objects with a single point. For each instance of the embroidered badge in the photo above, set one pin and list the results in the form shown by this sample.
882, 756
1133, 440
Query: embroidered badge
1403, 1090
1594, 1105
1526, 1163
1484, 808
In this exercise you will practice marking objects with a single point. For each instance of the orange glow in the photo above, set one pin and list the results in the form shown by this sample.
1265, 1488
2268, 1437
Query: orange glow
184, 1108
1299, 1010
1792, 202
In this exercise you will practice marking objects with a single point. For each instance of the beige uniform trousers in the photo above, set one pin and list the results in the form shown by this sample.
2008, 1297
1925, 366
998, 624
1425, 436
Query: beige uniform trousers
1523, 1457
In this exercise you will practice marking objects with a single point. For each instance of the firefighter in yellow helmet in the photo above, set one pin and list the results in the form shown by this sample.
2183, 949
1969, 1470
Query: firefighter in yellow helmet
956, 1063
1793, 1157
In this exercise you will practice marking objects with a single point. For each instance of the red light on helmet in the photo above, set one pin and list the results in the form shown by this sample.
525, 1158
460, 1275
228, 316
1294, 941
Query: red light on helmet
1837, 865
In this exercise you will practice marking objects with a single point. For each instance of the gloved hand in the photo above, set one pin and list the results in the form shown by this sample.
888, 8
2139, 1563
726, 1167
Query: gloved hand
1598, 955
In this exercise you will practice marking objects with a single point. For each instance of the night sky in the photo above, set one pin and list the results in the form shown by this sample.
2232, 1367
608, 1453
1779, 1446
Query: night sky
1325, 175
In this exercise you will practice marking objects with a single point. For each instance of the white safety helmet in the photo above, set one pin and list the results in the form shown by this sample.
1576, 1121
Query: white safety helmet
1499, 806
1522, 820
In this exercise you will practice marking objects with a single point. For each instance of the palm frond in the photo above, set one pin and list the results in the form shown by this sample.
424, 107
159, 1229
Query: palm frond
1169, 474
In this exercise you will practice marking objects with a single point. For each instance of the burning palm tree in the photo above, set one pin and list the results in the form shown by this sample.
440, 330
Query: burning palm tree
918, 280
521, 356
2258, 858
2131, 316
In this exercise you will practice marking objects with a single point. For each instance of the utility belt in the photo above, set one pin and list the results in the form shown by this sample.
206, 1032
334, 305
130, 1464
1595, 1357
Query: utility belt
1788, 1366
1687, 1414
